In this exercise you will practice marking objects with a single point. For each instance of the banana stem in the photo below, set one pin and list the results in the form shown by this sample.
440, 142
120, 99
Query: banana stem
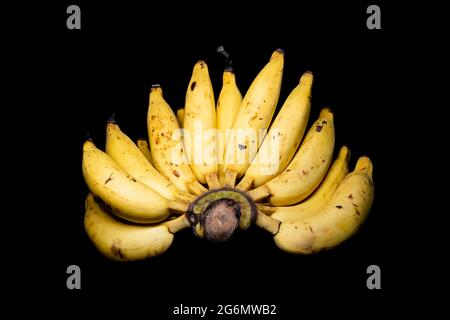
267, 223
178, 224
179, 206
213, 181
230, 179
259, 193
268, 210
186, 197
196, 187
245, 184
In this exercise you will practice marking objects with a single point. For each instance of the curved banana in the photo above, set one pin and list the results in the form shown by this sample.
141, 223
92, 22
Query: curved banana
166, 145
255, 114
142, 144
122, 149
337, 220
309, 166
321, 196
122, 241
228, 104
127, 197
283, 139
180, 117
199, 126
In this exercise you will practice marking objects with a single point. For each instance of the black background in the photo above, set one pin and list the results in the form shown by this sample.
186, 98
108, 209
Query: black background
108, 67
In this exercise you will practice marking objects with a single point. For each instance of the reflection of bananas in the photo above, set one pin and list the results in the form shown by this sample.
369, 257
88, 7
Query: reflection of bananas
306, 170
309, 206
122, 241
337, 220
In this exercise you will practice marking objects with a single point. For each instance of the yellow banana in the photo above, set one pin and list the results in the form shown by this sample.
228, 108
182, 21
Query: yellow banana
321, 196
180, 117
305, 172
166, 145
199, 126
142, 144
337, 220
255, 113
228, 104
123, 241
283, 139
122, 149
127, 197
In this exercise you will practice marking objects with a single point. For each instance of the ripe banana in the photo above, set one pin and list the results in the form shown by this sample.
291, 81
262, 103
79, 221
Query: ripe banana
228, 104
123, 241
180, 117
283, 139
321, 196
306, 170
145, 149
122, 149
255, 113
167, 151
199, 124
127, 197
337, 220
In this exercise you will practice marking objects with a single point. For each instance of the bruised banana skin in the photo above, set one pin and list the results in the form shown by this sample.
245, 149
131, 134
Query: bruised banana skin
228, 104
199, 120
321, 196
337, 220
127, 197
167, 151
306, 170
286, 132
255, 113
121, 241
122, 149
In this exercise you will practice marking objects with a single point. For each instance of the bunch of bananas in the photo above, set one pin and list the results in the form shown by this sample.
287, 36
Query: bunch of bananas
280, 179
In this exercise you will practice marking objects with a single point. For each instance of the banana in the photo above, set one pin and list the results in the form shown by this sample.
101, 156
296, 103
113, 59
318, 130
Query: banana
283, 139
309, 166
321, 196
142, 144
255, 113
180, 117
123, 241
199, 126
337, 220
167, 152
122, 149
127, 197
228, 104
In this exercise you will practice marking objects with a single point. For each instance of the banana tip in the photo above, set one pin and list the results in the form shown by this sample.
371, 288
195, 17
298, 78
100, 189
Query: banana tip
307, 76
364, 165
344, 152
326, 113
279, 50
